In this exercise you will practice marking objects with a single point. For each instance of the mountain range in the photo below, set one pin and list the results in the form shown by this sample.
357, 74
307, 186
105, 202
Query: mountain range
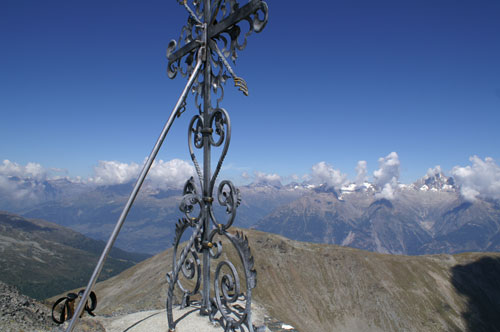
428, 216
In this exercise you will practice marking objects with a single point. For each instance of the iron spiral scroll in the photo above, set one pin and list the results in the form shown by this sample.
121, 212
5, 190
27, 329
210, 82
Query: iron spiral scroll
214, 32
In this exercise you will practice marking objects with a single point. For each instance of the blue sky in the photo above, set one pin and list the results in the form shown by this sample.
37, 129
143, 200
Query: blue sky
335, 81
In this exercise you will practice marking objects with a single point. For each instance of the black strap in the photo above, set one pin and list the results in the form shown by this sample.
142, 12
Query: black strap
93, 302
62, 315
67, 309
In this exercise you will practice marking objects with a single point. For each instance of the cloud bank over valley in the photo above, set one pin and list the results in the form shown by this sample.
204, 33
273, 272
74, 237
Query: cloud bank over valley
479, 179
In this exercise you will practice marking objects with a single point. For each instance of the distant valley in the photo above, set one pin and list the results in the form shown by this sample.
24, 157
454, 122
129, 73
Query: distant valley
42, 258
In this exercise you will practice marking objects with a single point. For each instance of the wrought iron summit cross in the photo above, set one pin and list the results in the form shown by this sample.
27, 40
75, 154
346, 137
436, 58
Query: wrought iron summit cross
212, 34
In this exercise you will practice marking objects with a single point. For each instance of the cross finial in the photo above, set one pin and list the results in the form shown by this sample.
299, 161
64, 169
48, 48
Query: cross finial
223, 31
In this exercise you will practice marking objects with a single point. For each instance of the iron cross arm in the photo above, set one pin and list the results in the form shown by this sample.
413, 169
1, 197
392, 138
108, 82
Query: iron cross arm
216, 29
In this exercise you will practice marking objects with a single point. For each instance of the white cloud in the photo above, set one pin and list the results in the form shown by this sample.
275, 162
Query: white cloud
30, 171
361, 172
114, 172
388, 169
264, 178
482, 178
19, 182
170, 174
387, 192
324, 173
162, 175
386, 177
15, 189
28, 182
434, 171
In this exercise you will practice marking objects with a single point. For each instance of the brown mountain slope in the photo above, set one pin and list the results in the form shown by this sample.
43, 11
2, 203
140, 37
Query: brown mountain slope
328, 288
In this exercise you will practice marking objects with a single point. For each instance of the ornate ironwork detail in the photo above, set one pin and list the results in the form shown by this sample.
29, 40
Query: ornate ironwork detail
231, 300
225, 37
215, 31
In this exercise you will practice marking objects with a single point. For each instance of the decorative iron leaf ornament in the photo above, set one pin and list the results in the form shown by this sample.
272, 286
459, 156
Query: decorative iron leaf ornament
215, 32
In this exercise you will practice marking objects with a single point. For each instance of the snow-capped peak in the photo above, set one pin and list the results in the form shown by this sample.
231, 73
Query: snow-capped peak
435, 180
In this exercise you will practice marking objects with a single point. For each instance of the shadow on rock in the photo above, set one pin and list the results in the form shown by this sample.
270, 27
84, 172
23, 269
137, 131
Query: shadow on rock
479, 281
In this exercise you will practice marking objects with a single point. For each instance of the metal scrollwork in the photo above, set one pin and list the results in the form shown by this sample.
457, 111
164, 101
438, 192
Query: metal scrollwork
215, 31
190, 267
195, 137
232, 293
224, 39
220, 120
228, 196
190, 200
189, 187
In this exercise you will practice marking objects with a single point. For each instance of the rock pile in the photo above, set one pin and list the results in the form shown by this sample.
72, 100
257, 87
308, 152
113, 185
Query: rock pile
22, 313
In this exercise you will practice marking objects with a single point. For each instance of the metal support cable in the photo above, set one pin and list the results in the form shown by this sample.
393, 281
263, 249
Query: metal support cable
132, 197
191, 12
